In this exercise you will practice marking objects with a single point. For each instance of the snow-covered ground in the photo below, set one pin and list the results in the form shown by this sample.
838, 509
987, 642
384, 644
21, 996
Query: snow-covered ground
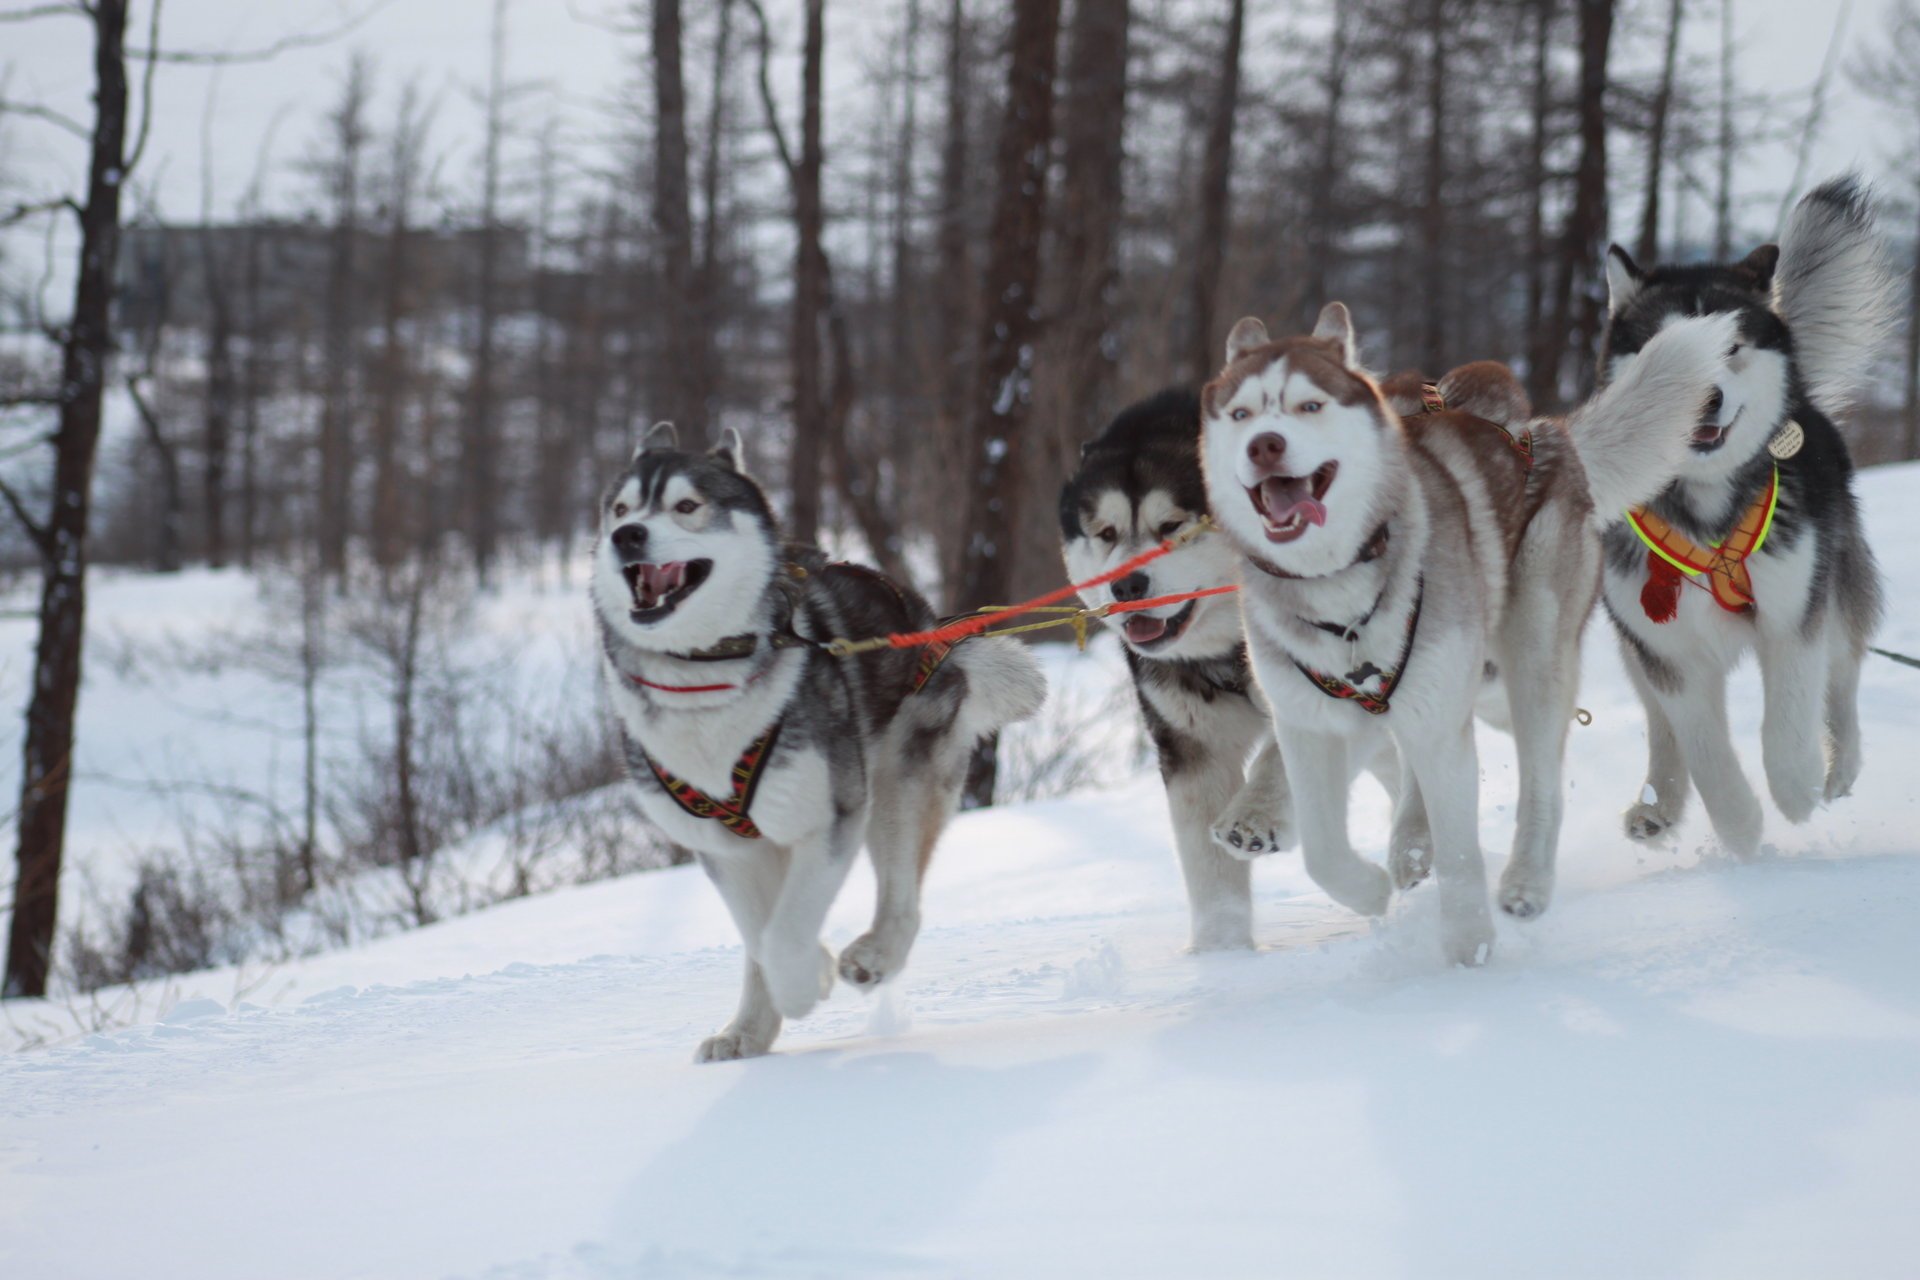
1689, 1067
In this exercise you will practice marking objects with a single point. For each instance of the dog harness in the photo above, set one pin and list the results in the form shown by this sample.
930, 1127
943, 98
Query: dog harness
1374, 704
731, 813
1431, 401
1670, 555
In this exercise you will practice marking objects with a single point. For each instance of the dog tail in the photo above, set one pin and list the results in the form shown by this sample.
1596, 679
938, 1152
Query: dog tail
1834, 289
1632, 437
1004, 684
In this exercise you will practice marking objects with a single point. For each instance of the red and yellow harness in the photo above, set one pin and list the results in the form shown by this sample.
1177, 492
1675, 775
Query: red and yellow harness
1671, 555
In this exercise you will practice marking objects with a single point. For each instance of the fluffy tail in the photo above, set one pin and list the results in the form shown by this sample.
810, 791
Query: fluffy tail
1004, 684
1834, 289
1632, 436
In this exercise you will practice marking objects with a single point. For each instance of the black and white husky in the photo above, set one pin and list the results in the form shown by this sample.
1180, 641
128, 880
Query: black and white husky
1138, 484
768, 758
1393, 565
1766, 491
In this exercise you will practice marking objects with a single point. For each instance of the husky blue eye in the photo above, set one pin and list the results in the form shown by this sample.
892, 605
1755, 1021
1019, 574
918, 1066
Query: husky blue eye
1311, 406
1241, 415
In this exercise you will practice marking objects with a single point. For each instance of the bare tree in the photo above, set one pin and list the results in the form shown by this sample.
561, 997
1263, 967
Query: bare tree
1002, 393
480, 442
1647, 247
1216, 185
809, 295
406, 146
682, 314
1889, 72
61, 534
1723, 188
342, 170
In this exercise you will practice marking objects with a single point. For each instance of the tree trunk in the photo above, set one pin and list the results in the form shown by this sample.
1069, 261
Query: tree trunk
388, 518
1723, 196
1577, 306
480, 448
1647, 249
673, 226
1542, 106
809, 297
1315, 289
220, 397
1910, 445
342, 323
707, 280
1216, 189
1002, 389
954, 338
48, 754
1433, 213
173, 505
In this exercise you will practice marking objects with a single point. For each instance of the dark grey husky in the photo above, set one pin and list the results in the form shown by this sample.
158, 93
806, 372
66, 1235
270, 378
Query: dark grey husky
1765, 505
766, 756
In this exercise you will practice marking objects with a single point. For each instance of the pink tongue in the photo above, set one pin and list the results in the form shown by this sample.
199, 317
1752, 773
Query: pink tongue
1144, 630
1282, 498
657, 580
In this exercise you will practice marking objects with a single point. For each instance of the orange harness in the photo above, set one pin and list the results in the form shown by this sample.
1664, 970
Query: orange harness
1671, 555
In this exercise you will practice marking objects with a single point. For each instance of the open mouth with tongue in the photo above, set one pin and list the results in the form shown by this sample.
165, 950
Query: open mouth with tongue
1144, 632
1710, 435
1288, 505
658, 589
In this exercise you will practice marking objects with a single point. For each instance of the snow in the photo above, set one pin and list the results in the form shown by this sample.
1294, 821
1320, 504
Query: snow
1690, 1066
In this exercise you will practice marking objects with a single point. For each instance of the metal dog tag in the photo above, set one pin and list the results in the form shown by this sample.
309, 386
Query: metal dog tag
1788, 441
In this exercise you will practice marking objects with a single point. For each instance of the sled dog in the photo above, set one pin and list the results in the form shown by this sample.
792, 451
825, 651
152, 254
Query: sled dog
1139, 483
1757, 543
1397, 571
768, 758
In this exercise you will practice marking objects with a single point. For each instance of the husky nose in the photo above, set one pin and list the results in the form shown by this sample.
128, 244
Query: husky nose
630, 540
1714, 403
1266, 450
1130, 588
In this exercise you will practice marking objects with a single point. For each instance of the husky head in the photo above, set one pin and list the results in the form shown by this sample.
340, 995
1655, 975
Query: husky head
1137, 485
686, 549
1754, 392
1298, 446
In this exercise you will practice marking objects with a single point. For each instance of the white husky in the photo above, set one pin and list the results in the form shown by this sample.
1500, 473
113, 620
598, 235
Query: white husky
1399, 572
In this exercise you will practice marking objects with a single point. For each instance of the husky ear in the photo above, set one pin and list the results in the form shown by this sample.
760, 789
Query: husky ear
1624, 279
1760, 264
1335, 325
1247, 334
661, 435
731, 450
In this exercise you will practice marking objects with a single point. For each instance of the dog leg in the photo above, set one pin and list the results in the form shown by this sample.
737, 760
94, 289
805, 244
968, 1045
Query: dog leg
1219, 881
1541, 658
1843, 713
1410, 847
1260, 817
799, 971
1448, 771
1698, 715
1793, 671
1663, 797
911, 806
1317, 770
748, 884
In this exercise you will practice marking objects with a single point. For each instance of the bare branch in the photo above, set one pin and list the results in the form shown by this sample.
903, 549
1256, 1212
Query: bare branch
766, 91
146, 94
35, 530
34, 111
33, 209
70, 9
305, 40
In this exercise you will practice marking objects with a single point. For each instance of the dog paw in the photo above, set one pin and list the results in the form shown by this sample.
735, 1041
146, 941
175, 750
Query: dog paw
1651, 817
1843, 772
729, 1046
1410, 864
798, 978
1467, 943
1524, 896
866, 963
1252, 827
1797, 791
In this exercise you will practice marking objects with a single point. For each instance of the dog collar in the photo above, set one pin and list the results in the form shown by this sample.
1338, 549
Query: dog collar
1371, 550
1374, 704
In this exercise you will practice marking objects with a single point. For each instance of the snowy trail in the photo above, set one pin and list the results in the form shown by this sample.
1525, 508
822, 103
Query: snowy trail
1688, 1067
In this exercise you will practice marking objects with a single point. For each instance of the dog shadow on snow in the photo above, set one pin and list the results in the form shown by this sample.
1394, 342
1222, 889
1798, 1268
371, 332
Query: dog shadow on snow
847, 1162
